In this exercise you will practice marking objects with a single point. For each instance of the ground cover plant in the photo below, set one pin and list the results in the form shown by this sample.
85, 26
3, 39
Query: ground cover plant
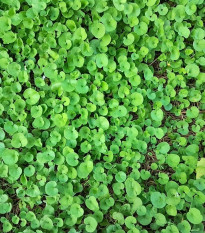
102, 116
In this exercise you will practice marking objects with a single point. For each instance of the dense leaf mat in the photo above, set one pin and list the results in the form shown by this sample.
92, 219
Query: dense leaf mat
102, 107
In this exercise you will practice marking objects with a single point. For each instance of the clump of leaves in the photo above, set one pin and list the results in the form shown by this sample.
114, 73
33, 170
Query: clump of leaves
102, 107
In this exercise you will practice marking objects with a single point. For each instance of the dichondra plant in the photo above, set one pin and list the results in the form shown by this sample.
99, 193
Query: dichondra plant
102, 116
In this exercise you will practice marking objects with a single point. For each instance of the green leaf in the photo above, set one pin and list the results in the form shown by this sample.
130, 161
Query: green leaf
5, 23
157, 115
70, 133
31, 96
200, 169
76, 210
84, 169
7, 227
130, 222
46, 223
97, 29
72, 159
160, 219
194, 216
51, 189
133, 188
9, 37
109, 22
120, 177
92, 203
91, 224
10, 156
192, 70
19, 140
173, 160
136, 99
158, 200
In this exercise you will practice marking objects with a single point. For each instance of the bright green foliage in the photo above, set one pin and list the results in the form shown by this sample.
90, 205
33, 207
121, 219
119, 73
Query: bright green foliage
97, 29
91, 224
102, 116
158, 200
194, 216
9, 156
